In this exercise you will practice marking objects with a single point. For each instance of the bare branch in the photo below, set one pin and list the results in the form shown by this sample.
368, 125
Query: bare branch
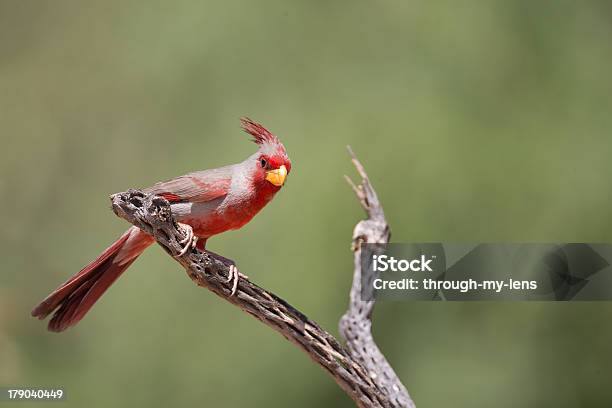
356, 324
153, 215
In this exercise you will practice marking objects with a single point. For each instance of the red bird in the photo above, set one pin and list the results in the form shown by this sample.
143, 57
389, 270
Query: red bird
205, 203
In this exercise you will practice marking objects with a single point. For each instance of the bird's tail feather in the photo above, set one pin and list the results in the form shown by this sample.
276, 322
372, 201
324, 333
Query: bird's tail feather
73, 299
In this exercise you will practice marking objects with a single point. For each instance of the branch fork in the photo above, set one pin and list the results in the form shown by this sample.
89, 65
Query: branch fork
359, 369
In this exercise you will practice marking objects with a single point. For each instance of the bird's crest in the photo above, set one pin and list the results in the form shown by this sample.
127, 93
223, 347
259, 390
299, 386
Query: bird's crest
260, 134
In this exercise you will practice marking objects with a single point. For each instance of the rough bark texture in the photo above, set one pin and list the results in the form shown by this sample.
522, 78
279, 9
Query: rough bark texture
354, 372
356, 324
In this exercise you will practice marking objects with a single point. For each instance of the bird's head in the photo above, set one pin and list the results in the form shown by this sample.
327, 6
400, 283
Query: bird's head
271, 162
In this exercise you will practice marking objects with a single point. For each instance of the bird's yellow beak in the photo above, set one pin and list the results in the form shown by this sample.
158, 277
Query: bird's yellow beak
278, 176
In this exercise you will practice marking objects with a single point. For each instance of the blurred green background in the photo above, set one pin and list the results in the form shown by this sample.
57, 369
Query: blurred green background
477, 121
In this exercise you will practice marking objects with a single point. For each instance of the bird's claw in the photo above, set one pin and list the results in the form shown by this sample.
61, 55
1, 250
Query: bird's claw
190, 239
235, 275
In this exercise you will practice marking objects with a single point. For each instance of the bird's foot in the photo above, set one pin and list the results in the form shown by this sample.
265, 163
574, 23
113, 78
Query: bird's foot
190, 239
235, 275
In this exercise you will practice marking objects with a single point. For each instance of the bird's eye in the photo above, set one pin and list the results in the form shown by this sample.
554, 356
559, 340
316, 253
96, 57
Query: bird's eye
263, 162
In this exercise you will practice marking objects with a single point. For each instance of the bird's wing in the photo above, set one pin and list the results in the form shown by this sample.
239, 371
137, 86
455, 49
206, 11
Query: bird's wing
198, 187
